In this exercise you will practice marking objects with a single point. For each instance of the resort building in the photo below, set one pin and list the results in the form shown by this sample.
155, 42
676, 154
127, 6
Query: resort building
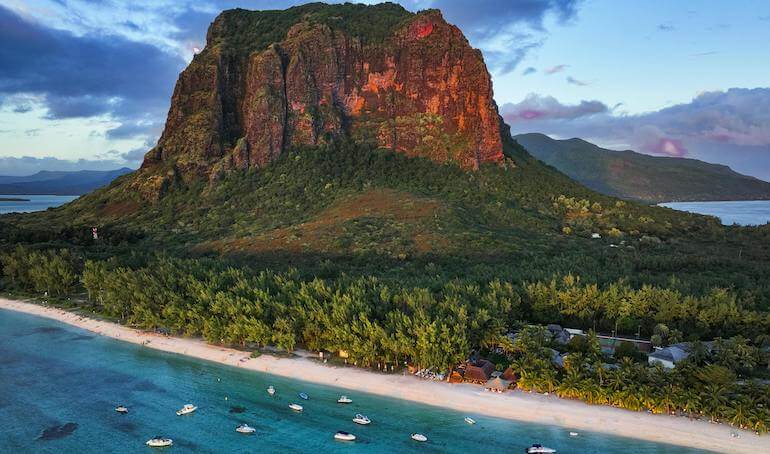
669, 356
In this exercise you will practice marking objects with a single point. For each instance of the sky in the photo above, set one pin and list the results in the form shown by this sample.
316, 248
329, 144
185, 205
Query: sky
87, 83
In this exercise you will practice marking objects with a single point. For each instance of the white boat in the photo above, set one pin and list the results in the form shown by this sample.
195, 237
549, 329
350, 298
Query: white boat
470, 420
573, 434
159, 442
121, 409
539, 449
361, 419
344, 436
245, 429
186, 410
271, 390
419, 437
295, 407
303, 396
344, 400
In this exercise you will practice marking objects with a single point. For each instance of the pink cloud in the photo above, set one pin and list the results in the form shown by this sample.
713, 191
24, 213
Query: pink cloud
668, 147
556, 69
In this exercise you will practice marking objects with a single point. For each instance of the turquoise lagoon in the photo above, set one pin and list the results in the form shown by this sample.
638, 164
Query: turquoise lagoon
59, 386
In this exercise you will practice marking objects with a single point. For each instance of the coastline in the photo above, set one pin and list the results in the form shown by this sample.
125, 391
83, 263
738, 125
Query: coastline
515, 405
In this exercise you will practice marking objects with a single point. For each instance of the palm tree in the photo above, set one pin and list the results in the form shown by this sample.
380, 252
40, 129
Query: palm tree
692, 402
570, 386
739, 413
714, 398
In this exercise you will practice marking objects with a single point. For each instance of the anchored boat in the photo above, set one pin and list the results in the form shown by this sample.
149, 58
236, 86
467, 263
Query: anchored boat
186, 410
159, 442
245, 429
361, 419
344, 436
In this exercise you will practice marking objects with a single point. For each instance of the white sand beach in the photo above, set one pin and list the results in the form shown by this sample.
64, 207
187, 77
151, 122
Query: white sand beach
516, 405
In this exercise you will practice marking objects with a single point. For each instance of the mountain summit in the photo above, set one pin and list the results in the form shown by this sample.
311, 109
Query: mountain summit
269, 80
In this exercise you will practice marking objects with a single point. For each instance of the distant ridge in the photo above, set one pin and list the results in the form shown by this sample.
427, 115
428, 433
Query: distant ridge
631, 175
59, 182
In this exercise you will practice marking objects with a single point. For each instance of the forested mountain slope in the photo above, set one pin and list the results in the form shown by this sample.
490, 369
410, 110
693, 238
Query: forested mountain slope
636, 176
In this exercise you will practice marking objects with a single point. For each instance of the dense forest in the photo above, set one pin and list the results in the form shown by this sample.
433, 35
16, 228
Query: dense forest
396, 259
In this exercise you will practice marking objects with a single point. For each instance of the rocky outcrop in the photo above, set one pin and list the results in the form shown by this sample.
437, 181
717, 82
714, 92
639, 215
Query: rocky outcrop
416, 87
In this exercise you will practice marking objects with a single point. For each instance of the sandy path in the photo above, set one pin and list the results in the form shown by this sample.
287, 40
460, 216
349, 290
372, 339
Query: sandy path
517, 405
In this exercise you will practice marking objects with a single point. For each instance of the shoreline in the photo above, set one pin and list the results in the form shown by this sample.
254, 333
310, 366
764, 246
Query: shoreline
514, 405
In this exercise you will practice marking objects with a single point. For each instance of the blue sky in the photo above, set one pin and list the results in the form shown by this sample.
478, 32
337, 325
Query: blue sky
86, 84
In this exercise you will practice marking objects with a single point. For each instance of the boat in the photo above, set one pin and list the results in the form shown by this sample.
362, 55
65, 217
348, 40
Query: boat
539, 449
419, 437
344, 400
573, 434
186, 410
303, 396
470, 420
295, 407
159, 442
121, 409
245, 429
361, 419
344, 436
271, 390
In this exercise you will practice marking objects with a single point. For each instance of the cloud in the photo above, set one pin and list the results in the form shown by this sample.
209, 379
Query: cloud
545, 108
135, 155
735, 121
78, 76
704, 54
28, 165
529, 71
555, 69
506, 30
573, 81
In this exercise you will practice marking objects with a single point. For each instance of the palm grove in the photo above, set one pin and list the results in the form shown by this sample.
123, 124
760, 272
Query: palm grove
514, 256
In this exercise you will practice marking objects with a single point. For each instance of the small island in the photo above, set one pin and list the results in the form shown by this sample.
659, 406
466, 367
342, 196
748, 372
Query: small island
13, 199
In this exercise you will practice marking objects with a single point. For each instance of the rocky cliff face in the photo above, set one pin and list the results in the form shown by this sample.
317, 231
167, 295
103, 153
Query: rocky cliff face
270, 80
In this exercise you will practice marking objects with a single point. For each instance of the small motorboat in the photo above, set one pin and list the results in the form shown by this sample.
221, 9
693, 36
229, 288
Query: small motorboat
419, 437
186, 410
159, 442
344, 400
121, 409
303, 396
361, 419
539, 449
470, 420
573, 434
295, 407
344, 436
271, 390
245, 429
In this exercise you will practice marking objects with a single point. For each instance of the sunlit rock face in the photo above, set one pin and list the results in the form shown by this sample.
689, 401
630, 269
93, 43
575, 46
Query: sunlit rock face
270, 80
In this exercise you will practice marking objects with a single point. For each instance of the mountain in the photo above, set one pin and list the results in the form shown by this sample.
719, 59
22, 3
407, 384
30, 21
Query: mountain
60, 182
350, 131
631, 175
270, 80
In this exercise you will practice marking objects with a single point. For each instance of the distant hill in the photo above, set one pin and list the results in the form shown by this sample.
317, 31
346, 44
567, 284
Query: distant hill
637, 176
59, 182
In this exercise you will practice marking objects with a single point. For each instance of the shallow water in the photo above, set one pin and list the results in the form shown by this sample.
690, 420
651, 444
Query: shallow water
741, 212
35, 203
59, 386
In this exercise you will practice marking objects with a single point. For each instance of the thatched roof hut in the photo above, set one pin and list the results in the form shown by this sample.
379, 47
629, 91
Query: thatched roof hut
509, 374
479, 371
497, 384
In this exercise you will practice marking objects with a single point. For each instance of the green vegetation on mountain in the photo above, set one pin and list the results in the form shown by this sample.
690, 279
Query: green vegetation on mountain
636, 176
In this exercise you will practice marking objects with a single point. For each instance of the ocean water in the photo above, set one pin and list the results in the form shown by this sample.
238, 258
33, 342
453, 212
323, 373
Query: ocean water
59, 386
36, 202
741, 212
